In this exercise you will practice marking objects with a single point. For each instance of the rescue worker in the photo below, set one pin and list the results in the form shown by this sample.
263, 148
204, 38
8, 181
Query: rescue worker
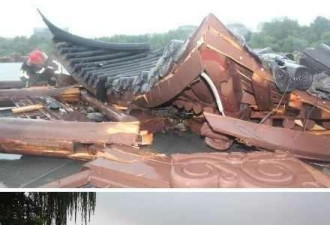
39, 70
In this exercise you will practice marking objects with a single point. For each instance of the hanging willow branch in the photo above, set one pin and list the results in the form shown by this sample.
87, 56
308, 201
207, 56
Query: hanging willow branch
46, 208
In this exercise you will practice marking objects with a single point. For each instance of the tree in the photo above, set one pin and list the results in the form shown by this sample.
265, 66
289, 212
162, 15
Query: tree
291, 44
44, 208
282, 28
157, 40
286, 35
261, 40
319, 26
325, 38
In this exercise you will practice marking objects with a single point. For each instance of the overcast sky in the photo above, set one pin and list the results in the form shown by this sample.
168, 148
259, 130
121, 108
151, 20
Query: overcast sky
211, 208
94, 18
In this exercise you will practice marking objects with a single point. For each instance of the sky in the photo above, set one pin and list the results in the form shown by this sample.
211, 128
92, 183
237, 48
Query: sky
231, 208
95, 18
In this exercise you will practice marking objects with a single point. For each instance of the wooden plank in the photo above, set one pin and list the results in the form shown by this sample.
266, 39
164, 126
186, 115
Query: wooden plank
63, 138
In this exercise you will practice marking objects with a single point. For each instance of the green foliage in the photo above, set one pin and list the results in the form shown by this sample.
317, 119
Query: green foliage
325, 38
44, 208
23, 45
261, 40
157, 40
292, 43
286, 35
281, 28
319, 26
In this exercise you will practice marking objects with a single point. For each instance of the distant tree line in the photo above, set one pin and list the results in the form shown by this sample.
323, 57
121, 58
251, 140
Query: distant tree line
45, 208
282, 35
157, 40
286, 35
23, 45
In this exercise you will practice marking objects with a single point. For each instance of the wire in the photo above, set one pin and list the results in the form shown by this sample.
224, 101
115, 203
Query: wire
307, 117
278, 105
215, 92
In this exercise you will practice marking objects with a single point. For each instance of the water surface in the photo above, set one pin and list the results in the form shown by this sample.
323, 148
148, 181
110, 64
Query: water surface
10, 71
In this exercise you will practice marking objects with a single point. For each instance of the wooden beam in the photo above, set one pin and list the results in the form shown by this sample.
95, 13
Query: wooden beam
110, 112
11, 84
70, 94
306, 144
63, 138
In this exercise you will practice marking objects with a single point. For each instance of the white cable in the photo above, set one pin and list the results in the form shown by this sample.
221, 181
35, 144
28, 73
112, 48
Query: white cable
215, 92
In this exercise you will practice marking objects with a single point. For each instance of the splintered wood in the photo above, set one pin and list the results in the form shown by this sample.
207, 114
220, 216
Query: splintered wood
109, 111
67, 94
63, 138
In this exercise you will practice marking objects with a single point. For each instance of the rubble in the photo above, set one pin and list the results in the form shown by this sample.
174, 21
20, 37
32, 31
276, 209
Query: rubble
287, 74
213, 83
95, 116
317, 59
198, 170
109, 111
321, 86
302, 144
257, 170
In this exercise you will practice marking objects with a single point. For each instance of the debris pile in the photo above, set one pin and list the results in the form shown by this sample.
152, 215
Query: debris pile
213, 84
198, 170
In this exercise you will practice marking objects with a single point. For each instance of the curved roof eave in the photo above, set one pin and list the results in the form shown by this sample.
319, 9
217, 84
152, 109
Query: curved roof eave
68, 37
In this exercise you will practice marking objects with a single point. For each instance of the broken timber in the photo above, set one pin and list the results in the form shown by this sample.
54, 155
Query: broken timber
200, 170
301, 143
110, 112
69, 94
11, 84
62, 138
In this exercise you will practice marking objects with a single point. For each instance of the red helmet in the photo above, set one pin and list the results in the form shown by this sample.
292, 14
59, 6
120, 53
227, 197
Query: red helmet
37, 58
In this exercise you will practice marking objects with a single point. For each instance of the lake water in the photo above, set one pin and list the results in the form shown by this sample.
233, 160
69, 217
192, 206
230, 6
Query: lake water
9, 71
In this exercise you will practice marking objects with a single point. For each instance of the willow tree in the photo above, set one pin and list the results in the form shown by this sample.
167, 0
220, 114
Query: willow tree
46, 208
